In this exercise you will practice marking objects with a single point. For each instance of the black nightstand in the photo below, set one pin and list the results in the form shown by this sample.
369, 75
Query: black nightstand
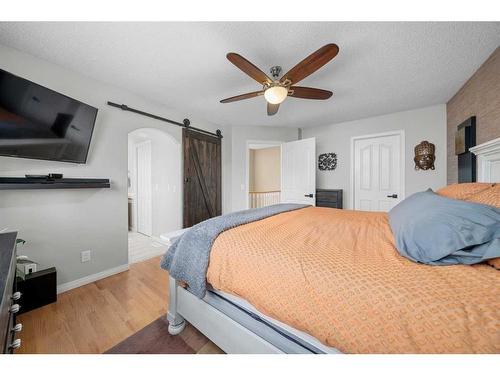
329, 198
37, 289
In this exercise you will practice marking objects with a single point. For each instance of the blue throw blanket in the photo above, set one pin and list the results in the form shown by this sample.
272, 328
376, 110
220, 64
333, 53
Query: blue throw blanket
432, 229
187, 258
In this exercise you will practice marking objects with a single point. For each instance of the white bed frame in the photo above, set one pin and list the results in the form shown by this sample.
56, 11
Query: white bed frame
231, 336
226, 333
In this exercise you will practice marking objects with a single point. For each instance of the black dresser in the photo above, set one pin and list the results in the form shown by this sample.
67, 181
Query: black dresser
9, 295
329, 198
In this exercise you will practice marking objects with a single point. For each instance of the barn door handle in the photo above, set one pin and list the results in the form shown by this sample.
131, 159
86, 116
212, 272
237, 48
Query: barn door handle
392, 196
309, 195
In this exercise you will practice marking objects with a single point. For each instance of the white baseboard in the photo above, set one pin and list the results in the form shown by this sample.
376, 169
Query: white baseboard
158, 239
148, 255
91, 278
154, 252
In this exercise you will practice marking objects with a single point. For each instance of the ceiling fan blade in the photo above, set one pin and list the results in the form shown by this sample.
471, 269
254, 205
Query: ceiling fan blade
309, 93
311, 63
248, 68
272, 109
248, 95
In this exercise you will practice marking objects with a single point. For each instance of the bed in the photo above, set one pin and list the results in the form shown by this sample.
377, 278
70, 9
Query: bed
319, 280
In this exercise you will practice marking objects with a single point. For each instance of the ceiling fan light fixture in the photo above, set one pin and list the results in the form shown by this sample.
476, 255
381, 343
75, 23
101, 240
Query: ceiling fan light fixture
276, 89
276, 94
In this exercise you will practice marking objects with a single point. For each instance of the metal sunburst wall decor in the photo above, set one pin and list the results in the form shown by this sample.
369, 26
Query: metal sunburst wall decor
327, 162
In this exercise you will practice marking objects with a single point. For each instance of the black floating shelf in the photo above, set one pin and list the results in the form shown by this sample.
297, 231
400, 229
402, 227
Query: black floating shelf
17, 183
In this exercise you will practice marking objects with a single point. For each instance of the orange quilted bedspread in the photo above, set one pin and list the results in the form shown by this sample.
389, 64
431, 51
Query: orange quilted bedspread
336, 275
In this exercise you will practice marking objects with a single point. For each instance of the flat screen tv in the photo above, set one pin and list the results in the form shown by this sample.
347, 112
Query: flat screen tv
39, 123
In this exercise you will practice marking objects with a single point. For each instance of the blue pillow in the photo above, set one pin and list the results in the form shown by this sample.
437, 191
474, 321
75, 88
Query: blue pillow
432, 229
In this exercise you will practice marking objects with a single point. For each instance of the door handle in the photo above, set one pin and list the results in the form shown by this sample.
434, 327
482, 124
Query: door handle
392, 196
309, 195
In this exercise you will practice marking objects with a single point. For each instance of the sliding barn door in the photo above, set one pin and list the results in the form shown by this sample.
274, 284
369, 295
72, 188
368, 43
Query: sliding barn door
202, 177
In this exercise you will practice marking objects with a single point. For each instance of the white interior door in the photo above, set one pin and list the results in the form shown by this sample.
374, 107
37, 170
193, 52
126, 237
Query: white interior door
144, 206
378, 172
298, 171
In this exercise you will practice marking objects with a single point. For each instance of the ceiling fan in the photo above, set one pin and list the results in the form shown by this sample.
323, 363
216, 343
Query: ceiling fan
277, 89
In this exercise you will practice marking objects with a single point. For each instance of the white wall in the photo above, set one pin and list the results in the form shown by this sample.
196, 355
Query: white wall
419, 125
166, 178
59, 224
240, 138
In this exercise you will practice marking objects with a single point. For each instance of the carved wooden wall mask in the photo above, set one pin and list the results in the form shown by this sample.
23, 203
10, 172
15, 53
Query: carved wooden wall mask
425, 155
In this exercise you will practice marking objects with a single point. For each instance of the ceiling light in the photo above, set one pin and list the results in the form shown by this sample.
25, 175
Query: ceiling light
276, 94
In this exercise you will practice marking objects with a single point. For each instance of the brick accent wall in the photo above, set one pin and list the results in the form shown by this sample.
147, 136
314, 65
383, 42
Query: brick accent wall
480, 97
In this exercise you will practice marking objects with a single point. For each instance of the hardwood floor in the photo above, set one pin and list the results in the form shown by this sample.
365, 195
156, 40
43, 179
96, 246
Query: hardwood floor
97, 316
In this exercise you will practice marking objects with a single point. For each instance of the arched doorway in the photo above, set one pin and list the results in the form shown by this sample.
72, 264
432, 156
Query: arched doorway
154, 191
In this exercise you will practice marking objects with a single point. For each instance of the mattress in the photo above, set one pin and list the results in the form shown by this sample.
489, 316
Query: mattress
281, 335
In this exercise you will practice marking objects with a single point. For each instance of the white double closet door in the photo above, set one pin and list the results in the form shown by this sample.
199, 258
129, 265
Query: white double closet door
378, 171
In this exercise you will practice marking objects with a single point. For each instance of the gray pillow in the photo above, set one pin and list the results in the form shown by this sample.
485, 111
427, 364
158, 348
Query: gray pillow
432, 229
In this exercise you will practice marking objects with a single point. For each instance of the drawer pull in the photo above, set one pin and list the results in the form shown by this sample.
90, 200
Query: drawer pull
16, 344
17, 328
14, 308
16, 296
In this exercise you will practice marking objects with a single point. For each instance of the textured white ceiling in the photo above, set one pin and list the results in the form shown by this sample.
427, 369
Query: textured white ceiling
381, 67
